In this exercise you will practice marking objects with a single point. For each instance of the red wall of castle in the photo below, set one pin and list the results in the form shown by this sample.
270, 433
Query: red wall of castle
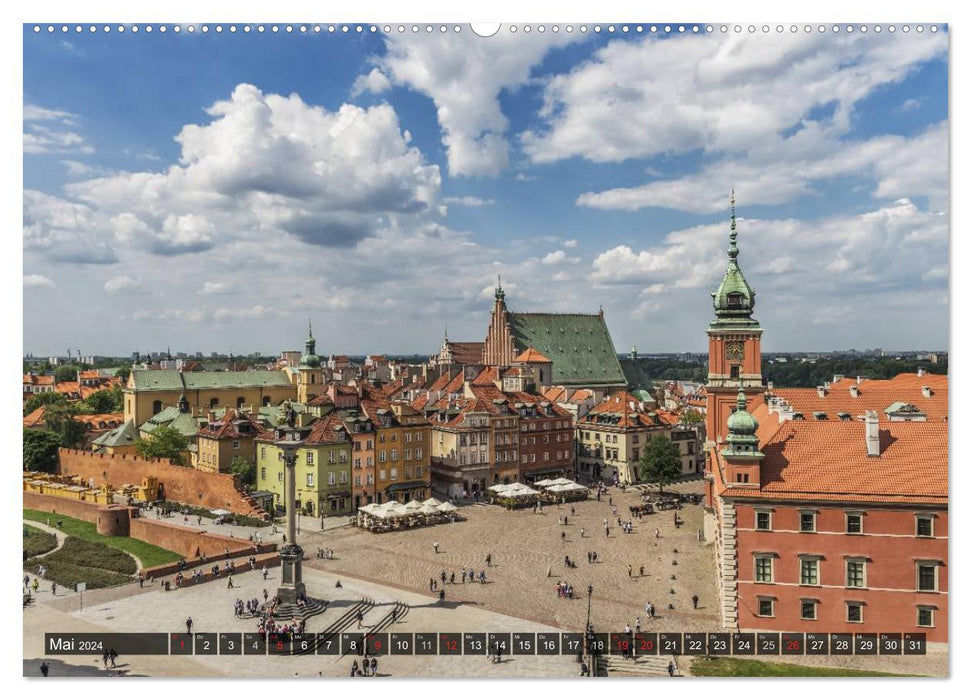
81, 510
890, 547
182, 484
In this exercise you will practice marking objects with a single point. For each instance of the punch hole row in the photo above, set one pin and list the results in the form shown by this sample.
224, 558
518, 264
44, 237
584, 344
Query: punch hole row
513, 28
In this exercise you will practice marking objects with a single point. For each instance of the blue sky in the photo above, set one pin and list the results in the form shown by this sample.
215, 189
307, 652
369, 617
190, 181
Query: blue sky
208, 191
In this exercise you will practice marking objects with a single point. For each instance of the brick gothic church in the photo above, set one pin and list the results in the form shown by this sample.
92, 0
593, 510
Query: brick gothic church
828, 507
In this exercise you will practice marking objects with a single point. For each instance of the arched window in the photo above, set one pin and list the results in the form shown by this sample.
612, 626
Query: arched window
213, 402
240, 401
156, 407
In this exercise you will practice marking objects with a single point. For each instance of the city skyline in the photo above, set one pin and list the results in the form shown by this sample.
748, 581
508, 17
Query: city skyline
384, 199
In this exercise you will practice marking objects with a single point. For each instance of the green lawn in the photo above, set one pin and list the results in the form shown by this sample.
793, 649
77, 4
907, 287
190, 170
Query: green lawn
734, 666
94, 563
149, 554
37, 541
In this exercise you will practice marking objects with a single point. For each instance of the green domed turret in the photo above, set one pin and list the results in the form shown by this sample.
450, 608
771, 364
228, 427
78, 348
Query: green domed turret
742, 440
309, 357
734, 300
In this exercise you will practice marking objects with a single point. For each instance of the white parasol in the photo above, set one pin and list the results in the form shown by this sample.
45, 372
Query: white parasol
446, 508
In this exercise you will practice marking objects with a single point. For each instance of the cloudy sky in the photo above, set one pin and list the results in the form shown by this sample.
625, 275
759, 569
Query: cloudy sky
213, 191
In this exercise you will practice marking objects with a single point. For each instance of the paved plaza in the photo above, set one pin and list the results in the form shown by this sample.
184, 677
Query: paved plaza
518, 594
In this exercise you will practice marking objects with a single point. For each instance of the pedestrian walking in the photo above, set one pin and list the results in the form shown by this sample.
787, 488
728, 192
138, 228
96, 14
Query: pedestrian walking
26, 580
431, 584
54, 589
630, 571
451, 579
489, 559
229, 582
637, 625
265, 572
44, 669
35, 585
608, 531
374, 666
112, 657
694, 601
582, 533
563, 536
463, 576
672, 669
104, 659
642, 571
435, 545
441, 596
188, 625
657, 533
354, 669
360, 619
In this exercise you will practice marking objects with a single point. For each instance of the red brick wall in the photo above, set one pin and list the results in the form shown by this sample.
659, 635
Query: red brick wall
888, 543
187, 541
65, 506
181, 484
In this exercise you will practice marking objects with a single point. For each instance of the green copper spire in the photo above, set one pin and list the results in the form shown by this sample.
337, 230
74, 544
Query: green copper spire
742, 440
734, 300
500, 295
309, 358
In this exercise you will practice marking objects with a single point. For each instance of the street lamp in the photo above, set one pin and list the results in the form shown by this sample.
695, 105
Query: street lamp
589, 600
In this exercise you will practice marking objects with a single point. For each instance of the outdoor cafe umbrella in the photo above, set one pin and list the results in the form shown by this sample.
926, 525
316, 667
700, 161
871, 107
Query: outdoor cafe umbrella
427, 509
545, 482
433, 502
413, 504
446, 508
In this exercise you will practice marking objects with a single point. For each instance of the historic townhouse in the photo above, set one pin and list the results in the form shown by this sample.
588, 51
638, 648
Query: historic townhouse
222, 440
828, 506
403, 464
323, 469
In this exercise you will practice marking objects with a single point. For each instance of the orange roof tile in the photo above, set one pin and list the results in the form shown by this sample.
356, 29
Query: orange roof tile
531, 354
874, 395
810, 460
35, 417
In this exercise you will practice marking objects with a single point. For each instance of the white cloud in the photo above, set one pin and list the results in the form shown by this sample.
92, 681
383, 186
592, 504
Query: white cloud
47, 131
892, 248
264, 166
464, 79
253, 312
719, 94
572, 243
375, 82
558, 257
123, 284
76, 168
215, 288
37, 281
911, 104
468, 201
899, 167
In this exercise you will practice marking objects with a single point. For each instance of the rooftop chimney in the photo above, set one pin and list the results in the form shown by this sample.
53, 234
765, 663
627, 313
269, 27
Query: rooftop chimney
921, 371
854, 391
821, 390
872, 424
926, 391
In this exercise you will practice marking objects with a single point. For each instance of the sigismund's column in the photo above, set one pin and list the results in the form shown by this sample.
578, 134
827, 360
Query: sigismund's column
291, 556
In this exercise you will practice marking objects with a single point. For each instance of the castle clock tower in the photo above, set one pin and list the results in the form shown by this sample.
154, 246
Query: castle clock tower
734, 346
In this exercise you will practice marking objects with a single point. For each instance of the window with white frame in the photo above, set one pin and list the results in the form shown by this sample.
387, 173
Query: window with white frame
763, 520
808, 609
766, 607
331, 478
854, 523
925, 616
809, 571
807, 521
763, 568
343, 477
856, 573
854, 612
381, 474
310, 457
394, 474
927, 576
925, 525
310, 479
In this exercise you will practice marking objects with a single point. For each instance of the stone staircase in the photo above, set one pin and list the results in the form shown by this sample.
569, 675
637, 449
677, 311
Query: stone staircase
642, 666
314, 606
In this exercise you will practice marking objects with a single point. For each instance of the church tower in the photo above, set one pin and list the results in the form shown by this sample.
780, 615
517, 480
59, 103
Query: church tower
734, 346
311, 381
499, 350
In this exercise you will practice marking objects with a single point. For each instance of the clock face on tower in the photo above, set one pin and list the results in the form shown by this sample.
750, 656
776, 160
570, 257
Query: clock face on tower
734, 350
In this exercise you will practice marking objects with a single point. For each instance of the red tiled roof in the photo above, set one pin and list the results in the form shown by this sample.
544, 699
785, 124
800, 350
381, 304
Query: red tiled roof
531, 354
467, 353
874, 395
324, 431
228, 426
35, 417
620, 402
320, 400
487, 377
39, 379
555, 394
825, 460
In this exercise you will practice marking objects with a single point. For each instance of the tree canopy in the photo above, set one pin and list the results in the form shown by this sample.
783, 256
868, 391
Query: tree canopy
60, 421
245, 469
165, 443
40, 450
38, 400
660, 462
103, 401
